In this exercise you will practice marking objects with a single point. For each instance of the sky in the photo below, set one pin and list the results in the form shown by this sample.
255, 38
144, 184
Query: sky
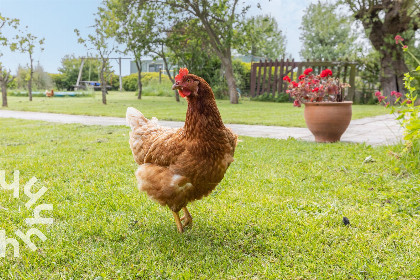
55, 20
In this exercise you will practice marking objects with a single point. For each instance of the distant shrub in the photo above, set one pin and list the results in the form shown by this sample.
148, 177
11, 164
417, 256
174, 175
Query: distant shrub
59, 81
25, 93
147, 78
212, 73
281, 98
57, 93
163, 89
242, 72
129, 82
114, 81
153, 77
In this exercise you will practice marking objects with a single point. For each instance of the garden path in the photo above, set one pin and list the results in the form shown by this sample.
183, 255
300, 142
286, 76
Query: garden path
379, 130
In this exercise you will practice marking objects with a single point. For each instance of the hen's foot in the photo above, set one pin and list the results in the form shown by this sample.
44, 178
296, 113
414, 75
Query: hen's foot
178, 222
187, 218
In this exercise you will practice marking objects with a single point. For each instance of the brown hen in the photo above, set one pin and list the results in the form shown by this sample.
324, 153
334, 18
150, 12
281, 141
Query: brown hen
177, 166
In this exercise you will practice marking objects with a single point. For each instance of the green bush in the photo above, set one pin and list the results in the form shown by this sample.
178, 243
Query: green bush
129, 82
25, 93
114, 81
59, 80
281, 97
42, 94
242, 72
212, 73
147, 78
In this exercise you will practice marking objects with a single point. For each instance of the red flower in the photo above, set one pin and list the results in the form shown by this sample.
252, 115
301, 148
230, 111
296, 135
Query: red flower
315, 89
294, 84
378, 93
307, 71
408, 101
380, 98
387, 104
301, 77
325, 73
405, 47
398, 39
286, 78
296, 103
396, 93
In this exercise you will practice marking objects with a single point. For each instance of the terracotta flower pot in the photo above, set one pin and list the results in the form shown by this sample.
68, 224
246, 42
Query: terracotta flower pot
328, 120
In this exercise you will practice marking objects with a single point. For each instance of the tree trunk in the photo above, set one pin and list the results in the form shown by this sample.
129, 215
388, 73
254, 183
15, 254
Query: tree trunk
230, 78
30, 88
392, 75
103, 82
139, 83
30, 78
4, 93
383, 22
162, 55
176, 95
5, 80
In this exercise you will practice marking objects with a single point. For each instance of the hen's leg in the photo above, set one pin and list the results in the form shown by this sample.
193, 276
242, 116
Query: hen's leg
187, 218
178, 222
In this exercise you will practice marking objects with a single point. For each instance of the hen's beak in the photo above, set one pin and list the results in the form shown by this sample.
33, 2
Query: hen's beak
176, 86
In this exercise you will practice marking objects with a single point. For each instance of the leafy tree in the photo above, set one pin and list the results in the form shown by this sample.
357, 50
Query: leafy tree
134, 27
5, 78
217, 21
99, 41
262, 37
6, 22
22, 77
187, 49
367, 80
27, 44
326, 34
41, 80
70, 67
382, 21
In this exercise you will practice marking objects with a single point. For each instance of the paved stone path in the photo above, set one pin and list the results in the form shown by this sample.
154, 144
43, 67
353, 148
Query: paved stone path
379, 130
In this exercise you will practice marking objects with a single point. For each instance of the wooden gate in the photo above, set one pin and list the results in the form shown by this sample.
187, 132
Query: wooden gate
267, 76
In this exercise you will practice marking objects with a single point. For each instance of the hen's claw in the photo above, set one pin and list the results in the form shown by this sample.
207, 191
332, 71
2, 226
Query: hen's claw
187, 218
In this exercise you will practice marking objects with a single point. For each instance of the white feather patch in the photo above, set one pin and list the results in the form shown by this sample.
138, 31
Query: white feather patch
140, 170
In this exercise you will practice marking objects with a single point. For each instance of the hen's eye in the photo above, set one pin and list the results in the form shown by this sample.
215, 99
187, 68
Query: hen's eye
188, 80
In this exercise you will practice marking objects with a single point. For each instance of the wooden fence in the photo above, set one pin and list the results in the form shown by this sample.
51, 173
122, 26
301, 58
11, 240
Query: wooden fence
267, 76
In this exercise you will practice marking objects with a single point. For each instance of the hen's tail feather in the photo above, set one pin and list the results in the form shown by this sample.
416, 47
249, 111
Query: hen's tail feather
135, 118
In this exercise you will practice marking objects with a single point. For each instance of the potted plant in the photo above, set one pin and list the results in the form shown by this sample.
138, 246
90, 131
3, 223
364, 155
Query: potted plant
326, 113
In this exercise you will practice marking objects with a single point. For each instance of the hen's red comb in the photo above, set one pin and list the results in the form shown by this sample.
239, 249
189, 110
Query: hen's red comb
182, 73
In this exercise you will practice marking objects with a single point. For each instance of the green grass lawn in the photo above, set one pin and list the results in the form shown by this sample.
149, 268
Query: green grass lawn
277, 214
165, 108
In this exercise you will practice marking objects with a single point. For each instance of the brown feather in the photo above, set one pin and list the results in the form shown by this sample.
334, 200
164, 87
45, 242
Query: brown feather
181, 165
